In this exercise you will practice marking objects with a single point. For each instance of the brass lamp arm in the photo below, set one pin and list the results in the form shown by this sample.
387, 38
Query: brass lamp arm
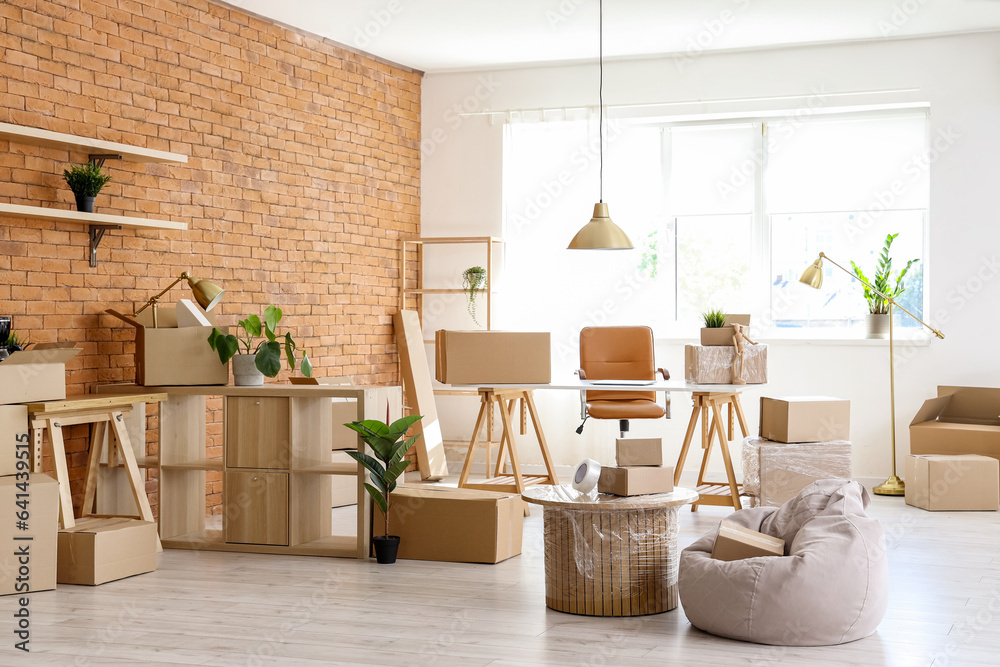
889, 299
153, 299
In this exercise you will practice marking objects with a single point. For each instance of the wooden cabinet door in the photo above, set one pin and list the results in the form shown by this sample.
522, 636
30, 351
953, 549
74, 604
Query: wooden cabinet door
255, 507
257, 432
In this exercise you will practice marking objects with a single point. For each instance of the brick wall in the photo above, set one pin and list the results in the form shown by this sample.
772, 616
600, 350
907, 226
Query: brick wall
303, 172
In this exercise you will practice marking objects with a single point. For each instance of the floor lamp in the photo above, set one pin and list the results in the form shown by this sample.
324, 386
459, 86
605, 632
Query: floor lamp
813, 276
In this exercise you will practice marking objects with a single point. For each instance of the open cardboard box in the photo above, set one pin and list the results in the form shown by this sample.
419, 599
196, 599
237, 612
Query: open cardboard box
723, 335
961, 420
38, 374
169, 355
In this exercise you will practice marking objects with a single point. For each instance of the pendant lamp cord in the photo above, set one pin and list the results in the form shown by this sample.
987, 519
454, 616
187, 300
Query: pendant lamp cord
600, 119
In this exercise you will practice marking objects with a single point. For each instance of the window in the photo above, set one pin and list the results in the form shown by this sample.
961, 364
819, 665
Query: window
722, 214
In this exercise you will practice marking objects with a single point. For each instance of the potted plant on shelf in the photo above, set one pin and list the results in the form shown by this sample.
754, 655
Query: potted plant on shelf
878, 307
473, 280
718, 330
86, 181
259, 358
387, 442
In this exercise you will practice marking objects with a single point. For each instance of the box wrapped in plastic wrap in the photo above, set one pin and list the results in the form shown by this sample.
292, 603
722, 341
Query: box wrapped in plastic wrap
609, 555
711, 364
774, 472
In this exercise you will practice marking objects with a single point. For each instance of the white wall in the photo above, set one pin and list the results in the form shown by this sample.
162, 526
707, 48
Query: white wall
958, 76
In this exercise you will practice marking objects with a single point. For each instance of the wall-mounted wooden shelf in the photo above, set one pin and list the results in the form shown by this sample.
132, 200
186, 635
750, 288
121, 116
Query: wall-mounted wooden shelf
67, 215
34, 136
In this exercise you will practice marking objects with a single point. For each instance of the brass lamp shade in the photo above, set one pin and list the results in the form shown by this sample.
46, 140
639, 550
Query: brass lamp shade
600, 233
206, 293
813, 276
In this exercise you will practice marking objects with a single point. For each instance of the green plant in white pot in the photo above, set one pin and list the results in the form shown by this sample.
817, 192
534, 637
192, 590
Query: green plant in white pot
878, 307
259, 358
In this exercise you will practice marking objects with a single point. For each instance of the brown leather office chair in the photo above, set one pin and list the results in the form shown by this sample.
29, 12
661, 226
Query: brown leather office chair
619, 353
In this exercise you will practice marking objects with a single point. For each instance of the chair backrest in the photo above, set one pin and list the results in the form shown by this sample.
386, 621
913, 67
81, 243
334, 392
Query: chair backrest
617, 353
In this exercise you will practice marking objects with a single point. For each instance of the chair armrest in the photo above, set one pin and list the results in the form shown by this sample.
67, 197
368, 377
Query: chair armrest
581, 373
664, 372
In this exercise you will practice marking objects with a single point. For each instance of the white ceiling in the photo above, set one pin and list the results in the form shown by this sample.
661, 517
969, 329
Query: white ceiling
441, 35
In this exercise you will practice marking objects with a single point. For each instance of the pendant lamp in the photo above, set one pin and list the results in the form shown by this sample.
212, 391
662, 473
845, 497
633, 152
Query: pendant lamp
601, 233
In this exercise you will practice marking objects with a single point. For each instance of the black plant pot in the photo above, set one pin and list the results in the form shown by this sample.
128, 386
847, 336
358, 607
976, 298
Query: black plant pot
386, 547
85, 204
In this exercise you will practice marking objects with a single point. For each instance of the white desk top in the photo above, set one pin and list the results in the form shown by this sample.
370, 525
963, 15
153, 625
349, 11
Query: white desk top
662, 385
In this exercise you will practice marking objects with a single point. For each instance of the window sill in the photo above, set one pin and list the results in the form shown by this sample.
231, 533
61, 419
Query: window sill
909, 341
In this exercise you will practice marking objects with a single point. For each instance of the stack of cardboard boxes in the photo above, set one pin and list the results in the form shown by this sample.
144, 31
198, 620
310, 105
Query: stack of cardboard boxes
640, 469
954, 461
802, 439
712, 361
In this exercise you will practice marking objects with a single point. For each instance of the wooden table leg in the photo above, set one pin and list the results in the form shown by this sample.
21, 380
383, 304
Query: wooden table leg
505, 442
739, 414
729, 432
515, 460
726, 458
537, 423
471, 454
688, 438
36, 455
62, 475
93, 466
131, 467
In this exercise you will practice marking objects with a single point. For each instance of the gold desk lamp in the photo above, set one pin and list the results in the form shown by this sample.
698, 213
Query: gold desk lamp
813, 276
206, 293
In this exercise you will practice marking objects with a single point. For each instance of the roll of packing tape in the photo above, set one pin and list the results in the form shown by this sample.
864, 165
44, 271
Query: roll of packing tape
586, 475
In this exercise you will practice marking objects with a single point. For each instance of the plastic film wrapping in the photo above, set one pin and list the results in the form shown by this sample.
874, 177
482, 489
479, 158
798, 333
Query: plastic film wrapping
611, 560
711, 364
774, 472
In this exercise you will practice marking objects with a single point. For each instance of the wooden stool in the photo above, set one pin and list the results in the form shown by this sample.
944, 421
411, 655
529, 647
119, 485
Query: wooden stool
107, 414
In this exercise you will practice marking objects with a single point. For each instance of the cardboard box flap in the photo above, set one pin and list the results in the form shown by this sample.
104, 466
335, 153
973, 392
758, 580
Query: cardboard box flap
930, 410
44, 353
973, 404
102, 524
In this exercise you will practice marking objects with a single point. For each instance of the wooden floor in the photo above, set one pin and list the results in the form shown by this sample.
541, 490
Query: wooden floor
209, 608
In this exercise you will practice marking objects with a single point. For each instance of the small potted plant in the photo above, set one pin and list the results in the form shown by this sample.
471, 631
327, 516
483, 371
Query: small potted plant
259, 358
387, 442
717, 330
878, 307
473, 280
86, 181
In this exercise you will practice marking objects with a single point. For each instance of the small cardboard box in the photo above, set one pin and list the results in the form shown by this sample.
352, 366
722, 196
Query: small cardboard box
775, 472
723, 335
488, 357
639, 452
454, 525
805, 418
636, 481
735, 542
174, 356
961, 420
957, 482
38, 374
100, 549
714, 364
14, 432
43, 523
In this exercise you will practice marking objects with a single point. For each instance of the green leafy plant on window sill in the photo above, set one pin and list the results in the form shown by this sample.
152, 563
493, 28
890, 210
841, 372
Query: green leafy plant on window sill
267, 352
878, 305
650, 253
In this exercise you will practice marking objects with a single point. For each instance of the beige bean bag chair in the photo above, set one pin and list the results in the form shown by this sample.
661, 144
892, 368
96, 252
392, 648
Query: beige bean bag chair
831, 586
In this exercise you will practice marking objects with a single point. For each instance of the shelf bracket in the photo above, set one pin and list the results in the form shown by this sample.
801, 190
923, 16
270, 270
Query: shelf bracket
99, 158
96, 234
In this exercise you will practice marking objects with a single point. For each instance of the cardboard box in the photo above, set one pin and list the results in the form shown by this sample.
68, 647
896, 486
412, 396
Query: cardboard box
723, 335
345, 487
14, 432
736, 543
961, 420
100, 549
639, 452
714, 364
493, 357
38, 374
454, 525
953, 482
172, 356
43, 523
775, 472
636, 481
805, 418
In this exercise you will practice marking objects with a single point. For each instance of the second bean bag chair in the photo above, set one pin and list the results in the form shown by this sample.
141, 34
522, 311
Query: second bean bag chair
831, 586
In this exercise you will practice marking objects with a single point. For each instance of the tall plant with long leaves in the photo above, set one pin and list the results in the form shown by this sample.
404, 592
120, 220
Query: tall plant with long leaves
878, 305
388, 443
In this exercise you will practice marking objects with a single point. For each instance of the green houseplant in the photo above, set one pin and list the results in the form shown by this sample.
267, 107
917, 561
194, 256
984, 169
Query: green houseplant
717, 330
473, 280
259, 358
389, 446
887, 284
86, 181
714, 319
